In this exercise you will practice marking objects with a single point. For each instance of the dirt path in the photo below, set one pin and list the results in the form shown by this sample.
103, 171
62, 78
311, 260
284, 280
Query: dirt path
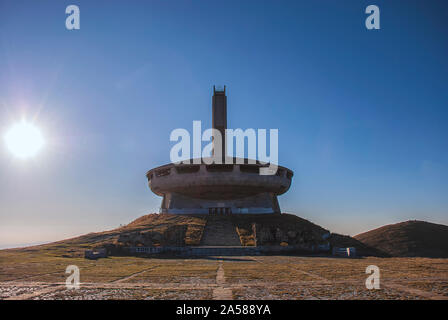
126, 278
222, 292
314, 276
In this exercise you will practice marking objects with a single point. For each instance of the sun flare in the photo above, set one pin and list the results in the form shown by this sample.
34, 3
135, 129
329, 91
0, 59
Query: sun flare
24, 140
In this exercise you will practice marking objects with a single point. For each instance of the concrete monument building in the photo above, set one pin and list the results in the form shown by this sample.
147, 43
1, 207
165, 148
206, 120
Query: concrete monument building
236, 188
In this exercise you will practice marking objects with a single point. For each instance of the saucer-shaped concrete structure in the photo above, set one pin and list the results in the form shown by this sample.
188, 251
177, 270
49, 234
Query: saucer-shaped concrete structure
233, 187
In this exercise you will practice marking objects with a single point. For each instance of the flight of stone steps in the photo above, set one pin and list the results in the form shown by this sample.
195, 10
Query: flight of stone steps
220, 231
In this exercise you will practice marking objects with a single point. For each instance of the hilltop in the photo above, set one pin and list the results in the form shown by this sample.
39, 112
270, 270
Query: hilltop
409, 239
405, 239
155, 230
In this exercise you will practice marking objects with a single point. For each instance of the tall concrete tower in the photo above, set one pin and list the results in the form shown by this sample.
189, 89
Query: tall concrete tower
219, 117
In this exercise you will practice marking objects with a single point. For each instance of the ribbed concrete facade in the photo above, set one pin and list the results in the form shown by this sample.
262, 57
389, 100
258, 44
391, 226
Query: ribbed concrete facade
207, 189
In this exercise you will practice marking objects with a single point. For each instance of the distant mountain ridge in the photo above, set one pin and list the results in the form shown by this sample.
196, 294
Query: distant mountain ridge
411, 238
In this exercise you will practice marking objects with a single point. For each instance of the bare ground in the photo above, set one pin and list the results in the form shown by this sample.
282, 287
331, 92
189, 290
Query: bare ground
261, 277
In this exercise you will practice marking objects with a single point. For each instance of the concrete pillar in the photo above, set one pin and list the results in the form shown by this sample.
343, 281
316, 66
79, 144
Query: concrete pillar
219, 115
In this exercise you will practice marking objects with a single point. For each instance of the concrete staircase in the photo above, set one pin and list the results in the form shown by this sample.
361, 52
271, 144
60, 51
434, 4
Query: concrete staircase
220, 231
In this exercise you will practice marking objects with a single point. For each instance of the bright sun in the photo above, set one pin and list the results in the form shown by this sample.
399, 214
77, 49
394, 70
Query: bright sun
24, 140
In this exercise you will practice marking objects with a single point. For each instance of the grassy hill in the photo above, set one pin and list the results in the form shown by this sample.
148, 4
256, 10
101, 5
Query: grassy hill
409, 239
151, 229
187, 230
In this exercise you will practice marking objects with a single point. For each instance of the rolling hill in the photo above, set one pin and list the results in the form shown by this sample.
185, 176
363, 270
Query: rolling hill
405, 239
409, 239
155, 230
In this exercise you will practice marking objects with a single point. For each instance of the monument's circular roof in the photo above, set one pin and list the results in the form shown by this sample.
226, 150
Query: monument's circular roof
240, 178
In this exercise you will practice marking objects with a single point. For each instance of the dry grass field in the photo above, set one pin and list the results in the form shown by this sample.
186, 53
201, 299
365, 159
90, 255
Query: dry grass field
35, 274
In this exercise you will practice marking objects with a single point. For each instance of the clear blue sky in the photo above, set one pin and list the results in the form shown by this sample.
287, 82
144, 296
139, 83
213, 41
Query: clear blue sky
362, 115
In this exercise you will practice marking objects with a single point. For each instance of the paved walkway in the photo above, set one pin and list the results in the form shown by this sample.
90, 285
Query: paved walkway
222, 292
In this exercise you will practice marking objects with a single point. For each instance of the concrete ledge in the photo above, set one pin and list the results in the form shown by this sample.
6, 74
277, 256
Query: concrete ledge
223, 250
